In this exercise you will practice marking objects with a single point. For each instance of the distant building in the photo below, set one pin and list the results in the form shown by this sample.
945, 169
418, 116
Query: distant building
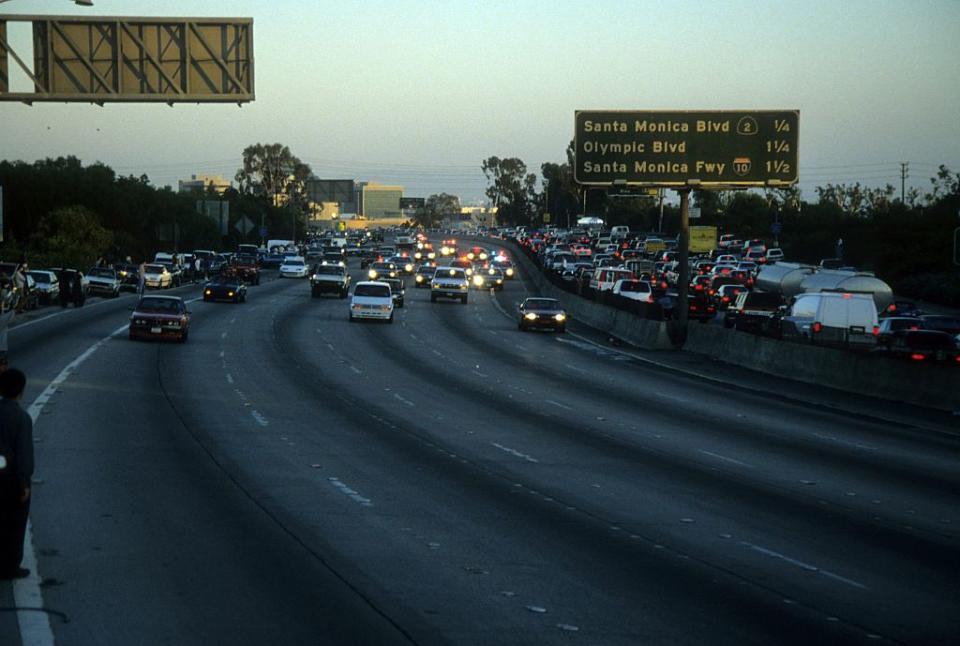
475, 216
200, 183
378, 201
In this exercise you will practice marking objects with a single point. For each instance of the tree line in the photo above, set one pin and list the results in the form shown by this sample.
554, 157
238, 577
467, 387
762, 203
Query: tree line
58, 212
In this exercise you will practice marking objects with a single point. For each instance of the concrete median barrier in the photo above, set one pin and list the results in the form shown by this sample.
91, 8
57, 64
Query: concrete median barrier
932, 386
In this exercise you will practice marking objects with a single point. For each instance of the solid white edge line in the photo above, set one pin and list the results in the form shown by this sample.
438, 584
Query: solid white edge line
34, 626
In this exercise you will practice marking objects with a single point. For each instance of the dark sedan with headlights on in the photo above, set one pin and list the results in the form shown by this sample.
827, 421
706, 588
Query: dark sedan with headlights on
542, 313
160, 317
225, 287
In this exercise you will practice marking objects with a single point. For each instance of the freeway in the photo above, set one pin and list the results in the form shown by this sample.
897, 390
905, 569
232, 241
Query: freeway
287, 476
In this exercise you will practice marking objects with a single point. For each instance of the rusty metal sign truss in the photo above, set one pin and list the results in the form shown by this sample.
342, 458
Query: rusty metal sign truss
120, 59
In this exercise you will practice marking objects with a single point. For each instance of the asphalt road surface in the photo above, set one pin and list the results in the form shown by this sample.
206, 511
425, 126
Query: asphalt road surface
289, 477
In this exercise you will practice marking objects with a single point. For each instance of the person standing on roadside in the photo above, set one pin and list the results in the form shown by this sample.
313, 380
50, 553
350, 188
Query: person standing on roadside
79, 298
16, 448
197, 263
20, 285
141, 278
6, 315
63, 279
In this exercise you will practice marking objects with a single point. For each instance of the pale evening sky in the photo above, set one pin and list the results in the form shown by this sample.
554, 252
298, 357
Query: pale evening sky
419, 92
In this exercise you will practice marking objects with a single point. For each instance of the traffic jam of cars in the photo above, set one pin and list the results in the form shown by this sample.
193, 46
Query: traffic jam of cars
744, 285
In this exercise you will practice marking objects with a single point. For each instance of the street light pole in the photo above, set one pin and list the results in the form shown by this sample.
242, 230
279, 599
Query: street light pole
683, 245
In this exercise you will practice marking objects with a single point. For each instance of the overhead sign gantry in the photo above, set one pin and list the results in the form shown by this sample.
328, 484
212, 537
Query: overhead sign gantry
686, 150
714, 149
124, 59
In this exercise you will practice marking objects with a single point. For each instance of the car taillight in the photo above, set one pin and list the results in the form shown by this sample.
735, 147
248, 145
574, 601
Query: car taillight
957, 358
916, 356
817, 327
876, 330
725, 299
892, 308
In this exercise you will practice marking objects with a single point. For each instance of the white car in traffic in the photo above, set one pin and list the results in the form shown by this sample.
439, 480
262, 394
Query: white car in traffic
371, 300
157, 277
293, 267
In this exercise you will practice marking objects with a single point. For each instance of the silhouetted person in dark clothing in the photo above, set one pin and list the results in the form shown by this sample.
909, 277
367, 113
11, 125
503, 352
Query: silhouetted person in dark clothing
63, 277
76, 288
16, 447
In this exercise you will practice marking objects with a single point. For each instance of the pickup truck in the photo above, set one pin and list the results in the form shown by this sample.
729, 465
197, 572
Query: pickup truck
755, 312
449, 282
329, 279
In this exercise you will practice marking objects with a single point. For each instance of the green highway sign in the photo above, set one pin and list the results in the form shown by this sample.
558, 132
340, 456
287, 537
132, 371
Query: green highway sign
711, 149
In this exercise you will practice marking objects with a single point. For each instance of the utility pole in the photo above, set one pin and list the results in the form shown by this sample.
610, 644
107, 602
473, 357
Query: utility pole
683, 245
661, 192
904, 168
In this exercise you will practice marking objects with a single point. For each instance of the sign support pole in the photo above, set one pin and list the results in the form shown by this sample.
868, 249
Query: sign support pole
683, 244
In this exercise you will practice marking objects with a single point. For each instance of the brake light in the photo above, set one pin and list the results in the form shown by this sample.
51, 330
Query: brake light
957, 358
817, 327
914, 327
892, 307
698, 287
876, 330
916, 356
847, 296
725, 299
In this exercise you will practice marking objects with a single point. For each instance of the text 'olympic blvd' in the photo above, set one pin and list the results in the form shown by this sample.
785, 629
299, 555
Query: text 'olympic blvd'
720, 148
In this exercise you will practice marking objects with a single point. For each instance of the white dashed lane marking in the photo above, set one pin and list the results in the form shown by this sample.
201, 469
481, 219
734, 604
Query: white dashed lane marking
558, 404
726, 459
514, 452
344, 489
806, 566
261, 420
402, 399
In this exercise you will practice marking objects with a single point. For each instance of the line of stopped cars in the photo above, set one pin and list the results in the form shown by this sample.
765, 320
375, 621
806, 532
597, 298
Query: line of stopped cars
167, 317
475, 267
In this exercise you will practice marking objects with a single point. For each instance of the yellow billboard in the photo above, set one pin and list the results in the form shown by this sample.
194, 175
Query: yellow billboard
703, 239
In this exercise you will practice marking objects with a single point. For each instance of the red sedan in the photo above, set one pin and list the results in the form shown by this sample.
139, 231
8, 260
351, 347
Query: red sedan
160, 317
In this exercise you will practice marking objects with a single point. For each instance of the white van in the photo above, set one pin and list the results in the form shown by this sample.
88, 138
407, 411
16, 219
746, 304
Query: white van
619, 232
840, 319
605, 278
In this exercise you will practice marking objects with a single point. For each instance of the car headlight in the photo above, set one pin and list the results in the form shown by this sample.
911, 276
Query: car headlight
431, 255
478, 280
463, 285
408, 267
208, 292
559, 317
230, 293
372, 273
530, 316
434, 286
419, 279
509, 272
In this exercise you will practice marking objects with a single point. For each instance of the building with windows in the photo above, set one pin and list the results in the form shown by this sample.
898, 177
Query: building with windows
199, 184
378, 201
